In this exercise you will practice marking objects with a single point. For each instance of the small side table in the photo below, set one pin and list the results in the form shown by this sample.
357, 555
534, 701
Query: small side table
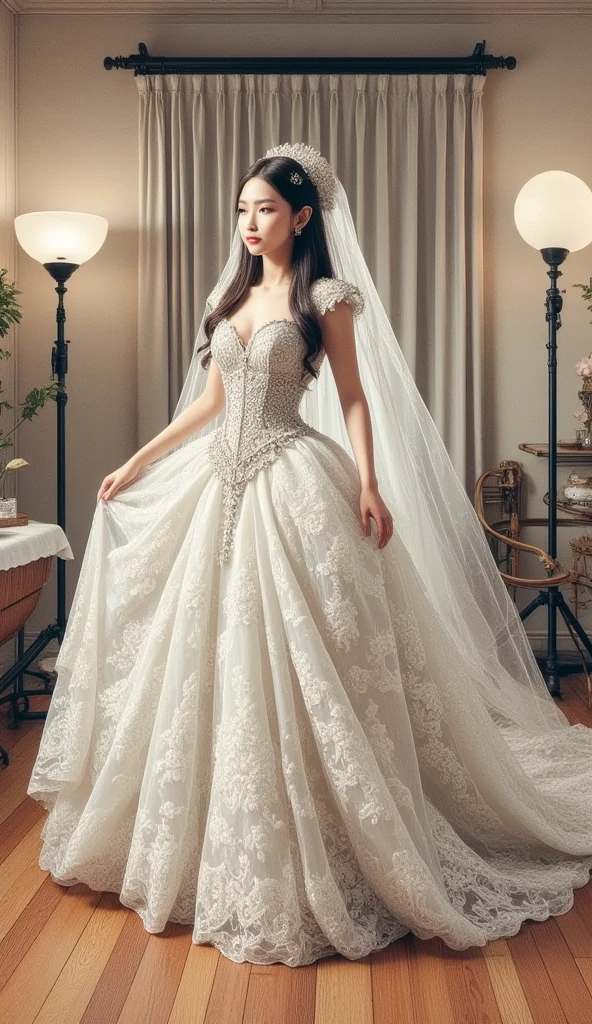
566, 452
26, 558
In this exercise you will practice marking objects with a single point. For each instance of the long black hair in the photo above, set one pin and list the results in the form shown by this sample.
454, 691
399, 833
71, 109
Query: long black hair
310, 256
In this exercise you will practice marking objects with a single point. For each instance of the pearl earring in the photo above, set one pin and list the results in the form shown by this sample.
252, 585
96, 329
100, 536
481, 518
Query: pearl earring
298, 231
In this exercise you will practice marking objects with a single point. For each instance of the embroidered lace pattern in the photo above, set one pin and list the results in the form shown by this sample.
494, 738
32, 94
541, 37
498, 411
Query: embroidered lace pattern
264, 381
290, 755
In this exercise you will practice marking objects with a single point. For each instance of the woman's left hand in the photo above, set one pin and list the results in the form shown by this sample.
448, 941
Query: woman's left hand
372, 505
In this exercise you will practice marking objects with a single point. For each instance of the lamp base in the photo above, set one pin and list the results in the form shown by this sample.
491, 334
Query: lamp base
568, 662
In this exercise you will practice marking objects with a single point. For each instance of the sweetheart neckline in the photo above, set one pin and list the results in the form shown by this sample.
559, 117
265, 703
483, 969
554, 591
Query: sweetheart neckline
276, 320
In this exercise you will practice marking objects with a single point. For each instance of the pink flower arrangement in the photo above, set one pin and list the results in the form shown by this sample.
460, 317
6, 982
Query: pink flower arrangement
581, 416
583, 366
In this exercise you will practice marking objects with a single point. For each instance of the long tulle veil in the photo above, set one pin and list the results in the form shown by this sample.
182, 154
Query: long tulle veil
431, 510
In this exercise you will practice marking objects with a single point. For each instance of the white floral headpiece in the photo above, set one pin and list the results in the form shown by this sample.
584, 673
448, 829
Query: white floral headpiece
318, 169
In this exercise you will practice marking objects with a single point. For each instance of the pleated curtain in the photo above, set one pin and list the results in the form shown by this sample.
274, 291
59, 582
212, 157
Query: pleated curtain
409, 151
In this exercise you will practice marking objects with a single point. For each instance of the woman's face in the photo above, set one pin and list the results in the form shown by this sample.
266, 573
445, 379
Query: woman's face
266, 220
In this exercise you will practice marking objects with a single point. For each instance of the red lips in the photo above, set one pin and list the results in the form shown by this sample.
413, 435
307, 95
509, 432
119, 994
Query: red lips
252, 238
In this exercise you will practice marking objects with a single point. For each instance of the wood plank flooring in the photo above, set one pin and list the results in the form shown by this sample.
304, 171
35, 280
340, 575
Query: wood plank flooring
69, 955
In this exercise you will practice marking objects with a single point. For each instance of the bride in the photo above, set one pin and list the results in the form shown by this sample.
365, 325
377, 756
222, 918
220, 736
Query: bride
294, 711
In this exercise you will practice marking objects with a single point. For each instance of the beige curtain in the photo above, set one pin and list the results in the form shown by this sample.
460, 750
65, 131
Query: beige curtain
408, 149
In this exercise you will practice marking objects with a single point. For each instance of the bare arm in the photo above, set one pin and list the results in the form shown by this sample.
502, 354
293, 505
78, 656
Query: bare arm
211, 401
337, 327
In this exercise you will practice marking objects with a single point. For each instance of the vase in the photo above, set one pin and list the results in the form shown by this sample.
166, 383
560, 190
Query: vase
7, 508
585, 397
578, 489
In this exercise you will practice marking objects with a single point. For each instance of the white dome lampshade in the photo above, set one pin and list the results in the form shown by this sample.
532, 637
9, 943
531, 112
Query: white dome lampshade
553, 210
61, 236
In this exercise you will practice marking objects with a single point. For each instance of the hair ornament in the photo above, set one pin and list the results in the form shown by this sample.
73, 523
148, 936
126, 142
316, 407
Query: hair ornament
318, 169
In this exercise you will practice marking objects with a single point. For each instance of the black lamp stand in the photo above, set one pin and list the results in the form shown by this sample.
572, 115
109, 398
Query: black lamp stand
19, 697
552, 596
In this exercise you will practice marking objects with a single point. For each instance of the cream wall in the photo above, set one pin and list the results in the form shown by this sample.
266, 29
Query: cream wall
8, 367
8, 244
77, 132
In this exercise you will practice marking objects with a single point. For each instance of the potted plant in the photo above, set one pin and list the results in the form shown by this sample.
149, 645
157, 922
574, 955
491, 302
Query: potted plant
586, 293
10, 313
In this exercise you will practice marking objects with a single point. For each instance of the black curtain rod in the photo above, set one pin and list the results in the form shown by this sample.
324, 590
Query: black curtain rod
143, 63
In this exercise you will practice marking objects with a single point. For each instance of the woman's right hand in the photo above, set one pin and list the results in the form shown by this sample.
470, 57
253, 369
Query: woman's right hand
113, 482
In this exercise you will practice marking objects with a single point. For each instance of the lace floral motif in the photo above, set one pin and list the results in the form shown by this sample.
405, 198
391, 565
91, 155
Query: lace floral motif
288, 754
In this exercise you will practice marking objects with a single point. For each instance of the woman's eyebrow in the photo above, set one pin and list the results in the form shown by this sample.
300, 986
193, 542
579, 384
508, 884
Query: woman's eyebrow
270, 200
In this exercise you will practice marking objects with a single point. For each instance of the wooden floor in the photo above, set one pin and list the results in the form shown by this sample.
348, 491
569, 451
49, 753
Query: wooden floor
71, 954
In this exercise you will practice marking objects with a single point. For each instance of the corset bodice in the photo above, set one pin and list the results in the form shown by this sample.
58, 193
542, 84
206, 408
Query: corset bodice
264, 382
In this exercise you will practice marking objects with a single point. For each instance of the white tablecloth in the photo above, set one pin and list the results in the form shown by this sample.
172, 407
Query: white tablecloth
22, 544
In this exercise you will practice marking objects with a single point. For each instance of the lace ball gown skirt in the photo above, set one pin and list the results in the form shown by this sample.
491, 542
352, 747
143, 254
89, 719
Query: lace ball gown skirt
285, 750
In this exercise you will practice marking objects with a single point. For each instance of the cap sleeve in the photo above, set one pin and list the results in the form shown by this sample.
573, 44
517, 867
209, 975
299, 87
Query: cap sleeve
326, 291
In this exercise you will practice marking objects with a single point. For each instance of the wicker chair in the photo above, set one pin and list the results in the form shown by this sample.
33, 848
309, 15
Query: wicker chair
504, 532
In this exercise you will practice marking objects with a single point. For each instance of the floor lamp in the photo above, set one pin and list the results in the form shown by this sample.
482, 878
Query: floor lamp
60, 240
553, 213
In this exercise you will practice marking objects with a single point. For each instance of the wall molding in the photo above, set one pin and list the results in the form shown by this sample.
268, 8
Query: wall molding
354, 10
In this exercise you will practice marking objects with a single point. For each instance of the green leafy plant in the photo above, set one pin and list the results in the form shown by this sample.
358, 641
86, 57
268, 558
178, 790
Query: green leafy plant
10, 313
587, 294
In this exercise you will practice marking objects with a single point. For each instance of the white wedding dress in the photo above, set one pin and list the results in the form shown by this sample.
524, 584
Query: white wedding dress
261, 727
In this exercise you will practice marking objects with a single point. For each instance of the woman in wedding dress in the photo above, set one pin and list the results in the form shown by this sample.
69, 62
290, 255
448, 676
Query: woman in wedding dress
295, 707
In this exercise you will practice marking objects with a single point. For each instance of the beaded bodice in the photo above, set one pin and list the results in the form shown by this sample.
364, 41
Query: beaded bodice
264, 382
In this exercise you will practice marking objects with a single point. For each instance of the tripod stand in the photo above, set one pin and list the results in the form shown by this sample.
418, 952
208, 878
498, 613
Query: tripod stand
552, 597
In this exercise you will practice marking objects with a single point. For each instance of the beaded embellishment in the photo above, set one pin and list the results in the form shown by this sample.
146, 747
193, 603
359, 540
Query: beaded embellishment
316, 166
327, 291
264, 381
